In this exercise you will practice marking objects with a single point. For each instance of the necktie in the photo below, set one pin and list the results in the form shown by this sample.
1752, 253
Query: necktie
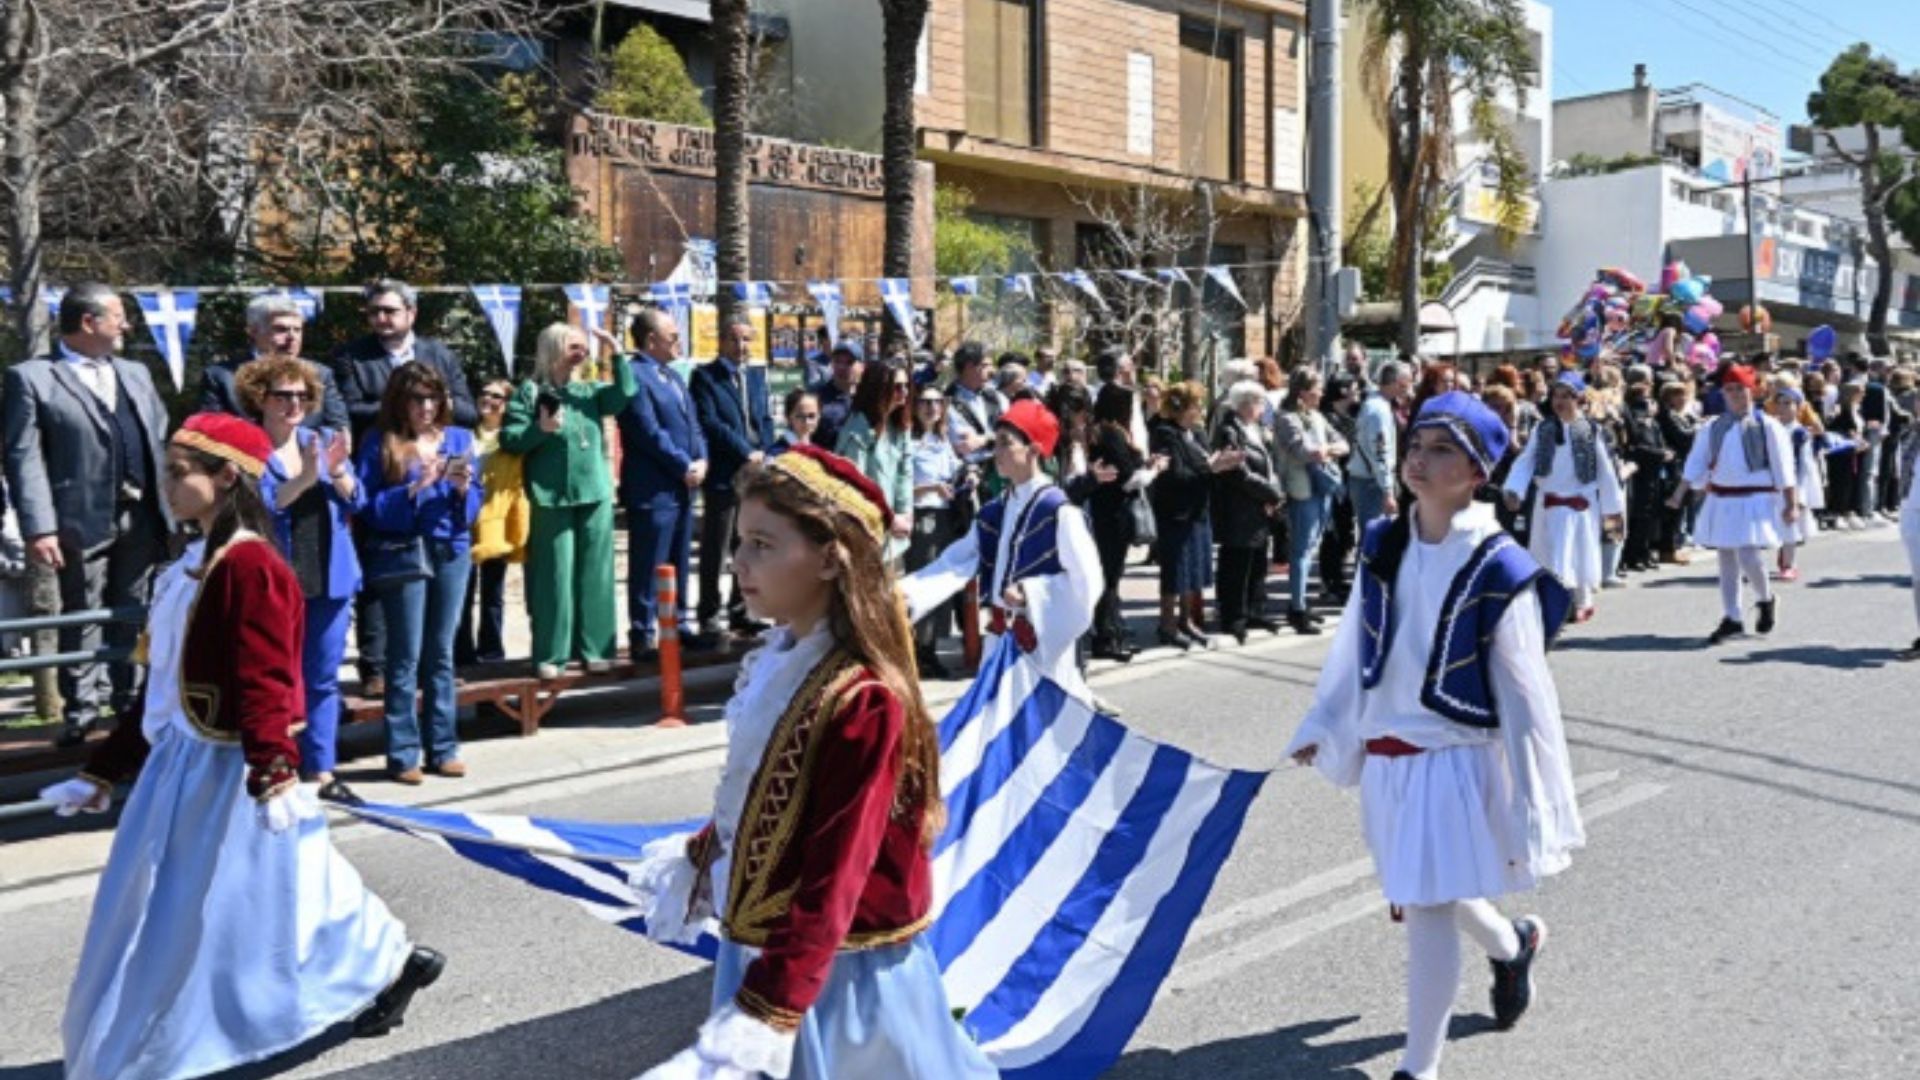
746, 408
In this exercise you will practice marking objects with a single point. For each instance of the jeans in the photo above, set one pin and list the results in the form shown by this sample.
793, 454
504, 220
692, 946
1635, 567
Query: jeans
369, 616
421, 617
486, 642
1369, 502
324, 648
1306, 520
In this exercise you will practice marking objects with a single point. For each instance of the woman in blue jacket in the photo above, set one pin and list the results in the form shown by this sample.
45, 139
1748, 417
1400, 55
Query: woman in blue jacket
311, 490
423, 493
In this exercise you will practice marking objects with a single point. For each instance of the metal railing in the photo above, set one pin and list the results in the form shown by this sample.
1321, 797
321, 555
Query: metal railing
95, 617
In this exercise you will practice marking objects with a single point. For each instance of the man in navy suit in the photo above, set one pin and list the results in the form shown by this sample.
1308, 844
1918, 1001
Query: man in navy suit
730, 399
663, 462
361, 369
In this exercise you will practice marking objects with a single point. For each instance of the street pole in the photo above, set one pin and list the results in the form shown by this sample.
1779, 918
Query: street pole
1753, 280
1323, 182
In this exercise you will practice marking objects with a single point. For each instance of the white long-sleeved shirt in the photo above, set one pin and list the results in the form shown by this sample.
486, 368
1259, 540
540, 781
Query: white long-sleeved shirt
1563, 478
1376, 436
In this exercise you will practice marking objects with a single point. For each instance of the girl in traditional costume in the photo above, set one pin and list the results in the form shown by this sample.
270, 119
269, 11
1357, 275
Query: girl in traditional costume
1784, 406
1437, 703
226, 928
815, 865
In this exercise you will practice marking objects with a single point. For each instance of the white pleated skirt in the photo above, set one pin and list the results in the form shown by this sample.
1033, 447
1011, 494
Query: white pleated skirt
1567, 541
1737, 521
1439, 825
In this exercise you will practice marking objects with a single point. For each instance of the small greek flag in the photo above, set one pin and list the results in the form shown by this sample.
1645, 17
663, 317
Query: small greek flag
833, 302
1018, 285
310, 302
897, 293
590, 303
1173, 275
1080, 280
1134, 276
964, 286
676, 299
1224, 278
757, 293
50, 295
1077, 855
169, 316
501, 303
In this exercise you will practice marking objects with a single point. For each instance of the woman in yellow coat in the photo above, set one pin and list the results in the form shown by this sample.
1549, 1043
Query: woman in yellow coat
554, 423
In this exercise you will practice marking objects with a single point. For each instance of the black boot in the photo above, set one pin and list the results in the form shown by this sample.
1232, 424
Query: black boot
1261, 622
1728, 628
389, 1010
1513, 979
1764, 623
1302, 622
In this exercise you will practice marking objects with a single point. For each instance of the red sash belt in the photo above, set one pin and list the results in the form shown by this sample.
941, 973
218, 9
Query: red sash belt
1571, 502
1392, 747
1716, 489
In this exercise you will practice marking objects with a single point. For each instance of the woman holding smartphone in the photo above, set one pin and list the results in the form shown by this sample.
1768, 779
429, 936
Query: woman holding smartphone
422, 496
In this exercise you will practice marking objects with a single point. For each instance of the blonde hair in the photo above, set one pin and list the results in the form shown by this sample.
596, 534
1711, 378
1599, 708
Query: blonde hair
550, 348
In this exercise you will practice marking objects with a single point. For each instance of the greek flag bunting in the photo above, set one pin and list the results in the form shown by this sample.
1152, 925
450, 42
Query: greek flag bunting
590, 303
1135, 276
310, 301
50, 295
1224, 278
758, 293
676, 299
501, 303
1082, 281
966, 285
1076, 857
1018, 285
832, 301
169, 316
897, 293
1173, 275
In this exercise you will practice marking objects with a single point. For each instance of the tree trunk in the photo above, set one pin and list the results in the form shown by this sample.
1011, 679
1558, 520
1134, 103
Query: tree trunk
1876, 188
1195, 364
904, 22
1411, 222
732, 83
23, 171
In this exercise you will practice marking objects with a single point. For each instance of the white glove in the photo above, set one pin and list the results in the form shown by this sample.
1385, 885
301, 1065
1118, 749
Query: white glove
281, 812
689, 1065
69, 797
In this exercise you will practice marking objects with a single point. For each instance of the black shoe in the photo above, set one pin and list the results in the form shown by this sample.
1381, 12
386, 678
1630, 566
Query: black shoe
1728, 628
1403, 1075
1912, 653
1239, 633
640, 649
1200, 639
1172, 639
1302, 623
1764, 623
1513, 979
389, 1010
1116, 653
1261, 622
72, 735
337, 791
1317, 618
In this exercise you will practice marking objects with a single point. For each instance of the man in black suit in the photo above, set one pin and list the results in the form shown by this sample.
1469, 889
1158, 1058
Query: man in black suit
361, 369
276, 328
85, 449
731, 402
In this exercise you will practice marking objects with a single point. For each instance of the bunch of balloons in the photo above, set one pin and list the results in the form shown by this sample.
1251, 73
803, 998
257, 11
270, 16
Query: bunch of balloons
1619, 315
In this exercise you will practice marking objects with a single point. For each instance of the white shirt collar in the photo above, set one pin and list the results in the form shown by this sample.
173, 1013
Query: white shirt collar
67, 354
404, 353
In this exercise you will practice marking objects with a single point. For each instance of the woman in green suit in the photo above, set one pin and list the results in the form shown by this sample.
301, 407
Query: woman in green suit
554, 423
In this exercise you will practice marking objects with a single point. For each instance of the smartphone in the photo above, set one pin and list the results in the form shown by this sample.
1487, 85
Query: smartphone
548, 401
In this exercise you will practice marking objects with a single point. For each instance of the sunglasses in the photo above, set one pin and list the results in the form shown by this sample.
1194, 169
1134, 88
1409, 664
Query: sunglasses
489, 395
372, 311
422, 399
289, 397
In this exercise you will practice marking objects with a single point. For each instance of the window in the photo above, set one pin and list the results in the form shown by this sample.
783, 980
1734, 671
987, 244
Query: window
1000, 54
1209, 101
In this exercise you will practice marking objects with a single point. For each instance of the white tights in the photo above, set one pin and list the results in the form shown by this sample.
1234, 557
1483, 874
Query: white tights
1736, 563
1433, 971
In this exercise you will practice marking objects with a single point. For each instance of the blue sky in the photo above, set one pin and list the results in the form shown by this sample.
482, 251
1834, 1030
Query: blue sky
1769, 52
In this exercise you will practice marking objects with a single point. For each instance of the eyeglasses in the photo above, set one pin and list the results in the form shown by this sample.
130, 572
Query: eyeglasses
808, 417
384, 310
290, 397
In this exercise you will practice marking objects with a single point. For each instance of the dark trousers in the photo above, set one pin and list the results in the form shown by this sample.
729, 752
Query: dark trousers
1112, 537
656, 535
1336, 544
483, 641
933, 529
1240, 586
119, 574
369, 618
717, 541
1643, 518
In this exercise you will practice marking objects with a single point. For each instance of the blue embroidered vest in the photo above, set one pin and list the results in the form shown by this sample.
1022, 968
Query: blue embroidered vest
1459, 680
1035, 548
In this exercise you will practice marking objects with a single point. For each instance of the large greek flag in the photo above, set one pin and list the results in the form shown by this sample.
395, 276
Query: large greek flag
1076, 856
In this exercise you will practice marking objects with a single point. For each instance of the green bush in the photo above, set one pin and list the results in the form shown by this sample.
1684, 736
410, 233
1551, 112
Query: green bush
649, 81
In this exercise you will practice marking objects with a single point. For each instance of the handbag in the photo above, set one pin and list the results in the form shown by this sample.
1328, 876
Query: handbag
391, 562
1145, 532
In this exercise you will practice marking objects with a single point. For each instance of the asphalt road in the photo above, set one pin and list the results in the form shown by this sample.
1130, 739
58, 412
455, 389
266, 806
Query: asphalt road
1743, 908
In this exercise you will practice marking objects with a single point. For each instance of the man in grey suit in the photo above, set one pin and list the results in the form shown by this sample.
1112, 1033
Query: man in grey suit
276, 328
85, 451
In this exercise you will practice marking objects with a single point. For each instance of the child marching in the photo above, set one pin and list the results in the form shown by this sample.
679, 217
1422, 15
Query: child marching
227, 928
1436, 702
1909, 458
816, 862
1577, 488
1744, 462
1785, 406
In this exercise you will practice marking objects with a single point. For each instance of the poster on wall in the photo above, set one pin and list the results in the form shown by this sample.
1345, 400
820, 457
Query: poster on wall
783, 339
706, 332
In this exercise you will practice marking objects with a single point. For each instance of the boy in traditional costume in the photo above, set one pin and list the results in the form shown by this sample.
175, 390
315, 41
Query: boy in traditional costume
1031, 551
1744, 462
227, 928
1578, 492
816, 863
1785, 406
1437, 703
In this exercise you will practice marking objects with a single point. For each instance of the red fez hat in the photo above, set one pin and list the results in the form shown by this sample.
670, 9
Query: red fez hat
1740, 375
229, 438
1030, 418
840, 482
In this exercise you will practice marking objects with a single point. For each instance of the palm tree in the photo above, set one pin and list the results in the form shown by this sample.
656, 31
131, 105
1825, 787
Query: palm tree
732, 96
1437, 49
904, 21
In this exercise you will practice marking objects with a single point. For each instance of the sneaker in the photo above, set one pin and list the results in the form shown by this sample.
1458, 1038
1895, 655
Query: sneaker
1764, 623
547, 672
1728, 628
1910, 654
389, 1010
1513, 979
1790, 573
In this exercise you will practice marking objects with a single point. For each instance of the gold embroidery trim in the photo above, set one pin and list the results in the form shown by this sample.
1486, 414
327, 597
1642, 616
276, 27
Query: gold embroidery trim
785, 1020
876, 939
205, 695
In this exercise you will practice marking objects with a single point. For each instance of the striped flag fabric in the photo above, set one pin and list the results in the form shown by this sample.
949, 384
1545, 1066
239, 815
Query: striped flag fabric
1076, 856
169, 314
